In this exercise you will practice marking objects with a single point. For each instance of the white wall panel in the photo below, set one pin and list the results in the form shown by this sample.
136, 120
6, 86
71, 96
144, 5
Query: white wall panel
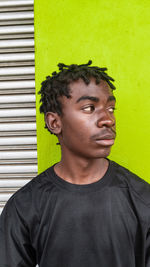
17, 85
10, 3
18, 141
17, 126
16, 29
17, 112
16, 43
16, 15
16, 57
17, 98
18, 151
18, 155
18, 169
17, 71
12, 183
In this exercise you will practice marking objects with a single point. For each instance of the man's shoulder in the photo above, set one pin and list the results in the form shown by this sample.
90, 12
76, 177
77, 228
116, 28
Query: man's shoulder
33, 190
136, 184
38, 182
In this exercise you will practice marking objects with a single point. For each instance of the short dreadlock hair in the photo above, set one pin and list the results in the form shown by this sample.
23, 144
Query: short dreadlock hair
57, 84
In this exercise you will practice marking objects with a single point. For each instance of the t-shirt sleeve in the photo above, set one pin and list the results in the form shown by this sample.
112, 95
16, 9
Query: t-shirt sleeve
15, 246
148, 249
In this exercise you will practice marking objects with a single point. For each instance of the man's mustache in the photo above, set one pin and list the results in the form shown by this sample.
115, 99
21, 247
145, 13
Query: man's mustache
105, 134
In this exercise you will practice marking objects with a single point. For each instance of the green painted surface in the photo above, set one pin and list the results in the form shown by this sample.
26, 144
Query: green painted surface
115, 34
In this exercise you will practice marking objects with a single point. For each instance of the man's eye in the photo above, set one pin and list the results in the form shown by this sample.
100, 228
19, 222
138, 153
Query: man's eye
111, 109
88, 108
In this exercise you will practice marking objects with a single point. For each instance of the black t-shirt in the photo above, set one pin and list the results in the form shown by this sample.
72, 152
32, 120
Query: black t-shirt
54, 223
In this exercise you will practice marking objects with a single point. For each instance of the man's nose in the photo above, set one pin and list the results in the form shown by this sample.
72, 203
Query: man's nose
106, 119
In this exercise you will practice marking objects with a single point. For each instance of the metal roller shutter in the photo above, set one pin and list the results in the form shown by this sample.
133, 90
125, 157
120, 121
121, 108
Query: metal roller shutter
18, 144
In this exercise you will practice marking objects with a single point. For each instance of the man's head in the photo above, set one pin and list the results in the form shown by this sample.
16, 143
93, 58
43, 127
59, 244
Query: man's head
58, 84
78, 104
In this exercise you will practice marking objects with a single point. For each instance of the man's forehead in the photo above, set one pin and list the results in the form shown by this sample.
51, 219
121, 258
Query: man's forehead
80, 91
79, 87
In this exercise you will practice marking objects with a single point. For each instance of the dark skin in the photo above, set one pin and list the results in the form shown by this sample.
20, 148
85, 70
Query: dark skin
86, 131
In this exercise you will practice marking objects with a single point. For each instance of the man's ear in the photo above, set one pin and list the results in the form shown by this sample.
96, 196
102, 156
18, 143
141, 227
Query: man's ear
53, 122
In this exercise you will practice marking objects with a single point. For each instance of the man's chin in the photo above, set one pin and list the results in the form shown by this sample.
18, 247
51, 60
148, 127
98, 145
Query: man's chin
104, 153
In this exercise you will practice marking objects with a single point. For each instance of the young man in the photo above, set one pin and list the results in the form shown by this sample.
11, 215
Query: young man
85, 210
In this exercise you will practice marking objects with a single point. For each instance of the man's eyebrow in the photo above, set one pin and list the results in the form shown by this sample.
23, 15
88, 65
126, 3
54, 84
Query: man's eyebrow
87, 97
94, 98
111, 98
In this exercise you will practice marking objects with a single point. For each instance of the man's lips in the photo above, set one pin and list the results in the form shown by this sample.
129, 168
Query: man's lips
105, 142
105, 139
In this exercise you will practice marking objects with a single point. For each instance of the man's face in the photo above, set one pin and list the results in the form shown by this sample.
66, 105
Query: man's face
88, 122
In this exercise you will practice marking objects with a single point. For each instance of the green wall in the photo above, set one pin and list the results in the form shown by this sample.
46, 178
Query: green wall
115, 34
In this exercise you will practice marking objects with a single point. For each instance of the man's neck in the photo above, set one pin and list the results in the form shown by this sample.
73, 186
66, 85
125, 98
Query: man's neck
81, 171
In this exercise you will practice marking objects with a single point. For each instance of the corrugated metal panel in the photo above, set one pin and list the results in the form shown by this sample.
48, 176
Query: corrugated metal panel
18, 143
17, 113
16, 71
16, 29
16, 85
19, 43
16, 16
17, 98
16, 57
19, 3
